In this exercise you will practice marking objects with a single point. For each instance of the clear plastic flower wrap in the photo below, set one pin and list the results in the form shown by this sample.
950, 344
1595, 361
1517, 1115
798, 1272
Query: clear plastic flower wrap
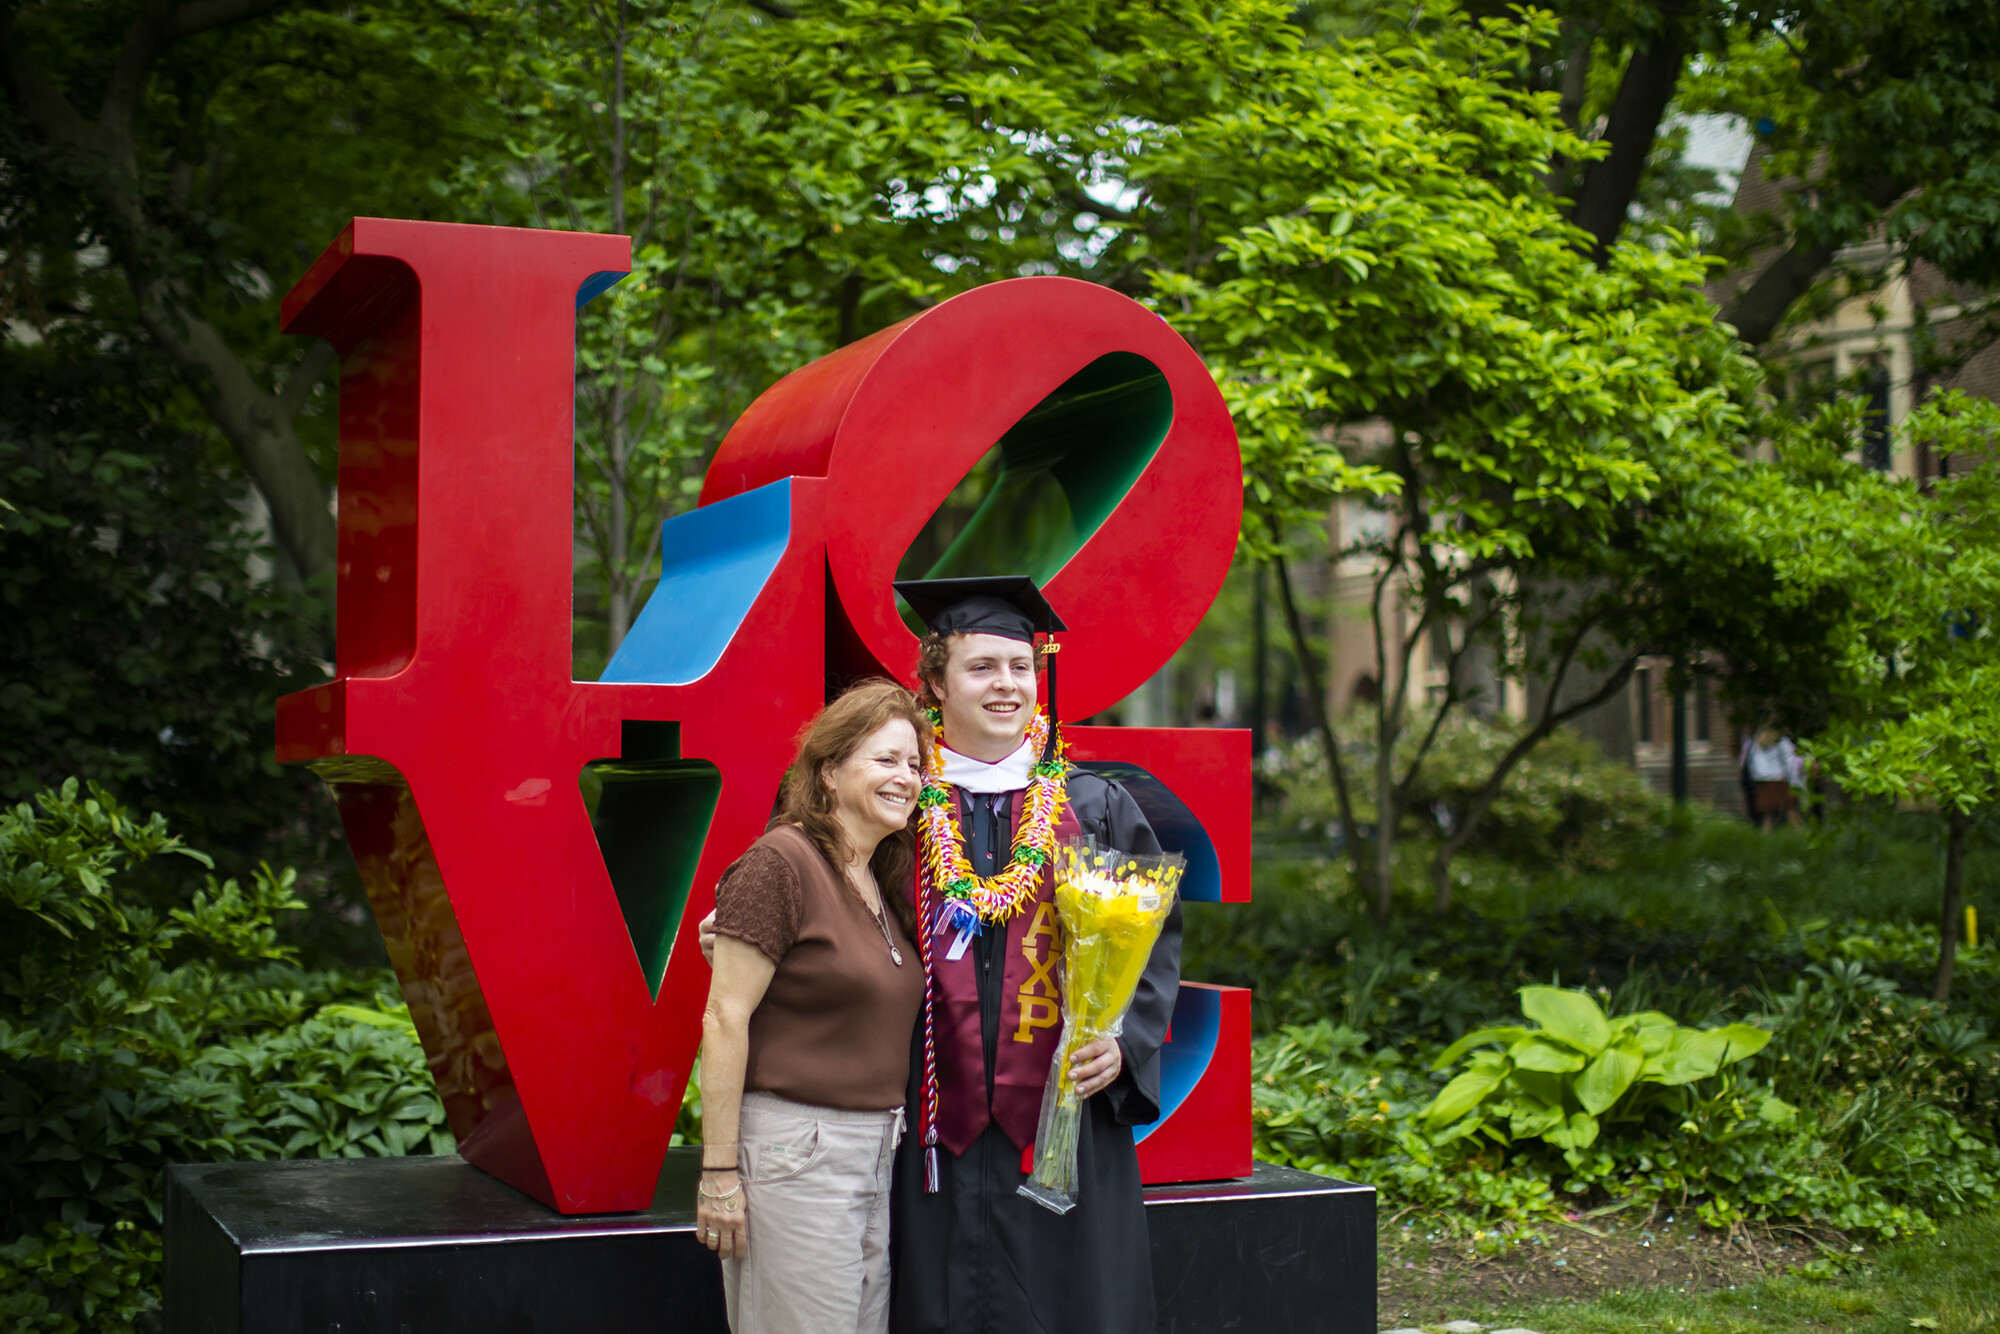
1112, 905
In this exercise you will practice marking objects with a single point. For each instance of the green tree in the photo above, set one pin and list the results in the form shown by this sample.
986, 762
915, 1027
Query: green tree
1917, 717
1880, 115
140, 651
792, 180
621, 117
171, 167
1396, 308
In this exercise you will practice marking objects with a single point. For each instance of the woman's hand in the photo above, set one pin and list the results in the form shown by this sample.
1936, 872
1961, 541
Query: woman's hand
721, 1217
1094, 1066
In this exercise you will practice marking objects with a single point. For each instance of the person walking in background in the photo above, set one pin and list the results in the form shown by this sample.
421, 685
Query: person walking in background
1771, 766
806, 1038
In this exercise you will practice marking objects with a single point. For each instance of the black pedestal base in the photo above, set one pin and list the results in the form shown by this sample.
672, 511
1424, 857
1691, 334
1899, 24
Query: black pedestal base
435, 1246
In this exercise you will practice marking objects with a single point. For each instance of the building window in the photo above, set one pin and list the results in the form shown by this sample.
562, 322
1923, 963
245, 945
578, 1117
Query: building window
1701, 708
1875, 431
1813, 383
1645, 678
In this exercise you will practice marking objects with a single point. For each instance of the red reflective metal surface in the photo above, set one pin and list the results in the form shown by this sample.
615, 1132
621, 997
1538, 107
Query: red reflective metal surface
1207, 1135
896, 420
561, 1072
454, 738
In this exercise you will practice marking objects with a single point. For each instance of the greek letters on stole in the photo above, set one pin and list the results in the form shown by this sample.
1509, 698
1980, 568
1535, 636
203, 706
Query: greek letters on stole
1030, 994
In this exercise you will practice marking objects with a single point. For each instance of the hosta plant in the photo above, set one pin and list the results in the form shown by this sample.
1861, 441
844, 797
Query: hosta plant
1560, 1081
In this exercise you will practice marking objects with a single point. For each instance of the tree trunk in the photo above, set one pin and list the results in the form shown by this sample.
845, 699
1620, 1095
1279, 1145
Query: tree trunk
1478, 683
1678, 762
1388, 723
1440, 877
1546, 716
1577, 40
1956, 822
1611, 182
618, 587
103, 154
1759, 308
1308, 663
1260, 651
848, 322
618, 539
1609, 722
1388, 711
257, 422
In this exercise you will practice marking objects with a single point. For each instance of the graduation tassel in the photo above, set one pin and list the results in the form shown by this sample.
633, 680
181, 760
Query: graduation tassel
931, 1170
1049, 652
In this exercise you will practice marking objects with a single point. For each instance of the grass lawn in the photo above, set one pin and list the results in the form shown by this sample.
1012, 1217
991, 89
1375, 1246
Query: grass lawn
1949, 1283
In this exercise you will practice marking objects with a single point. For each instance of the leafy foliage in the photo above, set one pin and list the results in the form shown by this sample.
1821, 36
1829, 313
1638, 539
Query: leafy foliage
1869, 1158
138, 653
1561, 1081
143, 1022
1910, 713
1894, 1096
1563, 805
1323, 1101
1539, 443
1884, 108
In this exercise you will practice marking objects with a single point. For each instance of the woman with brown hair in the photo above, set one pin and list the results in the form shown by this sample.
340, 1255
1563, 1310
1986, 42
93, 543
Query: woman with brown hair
806, 1037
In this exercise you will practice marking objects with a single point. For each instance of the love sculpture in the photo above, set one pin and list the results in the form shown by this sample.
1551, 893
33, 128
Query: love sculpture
539, 851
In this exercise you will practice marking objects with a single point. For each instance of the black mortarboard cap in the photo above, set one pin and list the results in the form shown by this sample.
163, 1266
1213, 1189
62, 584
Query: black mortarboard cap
1008, 605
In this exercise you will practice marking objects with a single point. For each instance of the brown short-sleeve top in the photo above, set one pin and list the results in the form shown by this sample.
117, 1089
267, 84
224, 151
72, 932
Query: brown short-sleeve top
833, 1029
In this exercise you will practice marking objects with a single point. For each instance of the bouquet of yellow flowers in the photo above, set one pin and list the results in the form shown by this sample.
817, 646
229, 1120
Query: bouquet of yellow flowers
1112, 905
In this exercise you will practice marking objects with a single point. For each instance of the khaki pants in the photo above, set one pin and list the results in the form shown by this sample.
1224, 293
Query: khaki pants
816, 1200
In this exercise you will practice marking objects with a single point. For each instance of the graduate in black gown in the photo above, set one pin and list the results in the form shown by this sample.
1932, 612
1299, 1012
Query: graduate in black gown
969, 1254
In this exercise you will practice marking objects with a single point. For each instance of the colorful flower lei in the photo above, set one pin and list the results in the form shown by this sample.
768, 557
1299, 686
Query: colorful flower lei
970, 898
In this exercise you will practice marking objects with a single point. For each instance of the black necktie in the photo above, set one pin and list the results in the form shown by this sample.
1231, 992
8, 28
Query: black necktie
986, 831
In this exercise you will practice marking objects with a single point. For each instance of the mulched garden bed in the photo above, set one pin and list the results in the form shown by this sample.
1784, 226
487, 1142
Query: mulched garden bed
1432, 1276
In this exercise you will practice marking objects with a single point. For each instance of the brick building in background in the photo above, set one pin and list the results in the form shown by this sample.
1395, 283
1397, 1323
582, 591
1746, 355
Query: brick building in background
1902, 333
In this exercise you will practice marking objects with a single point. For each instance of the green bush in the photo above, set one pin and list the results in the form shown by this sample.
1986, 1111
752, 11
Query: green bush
1855, 1115
1825, 941
1564, 806
143, 1026
1322, 1100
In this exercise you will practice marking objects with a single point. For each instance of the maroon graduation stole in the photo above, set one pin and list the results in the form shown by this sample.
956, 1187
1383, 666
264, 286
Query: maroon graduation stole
957, 1109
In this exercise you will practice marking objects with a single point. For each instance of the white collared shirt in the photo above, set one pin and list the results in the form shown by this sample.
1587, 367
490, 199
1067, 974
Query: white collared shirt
970, 775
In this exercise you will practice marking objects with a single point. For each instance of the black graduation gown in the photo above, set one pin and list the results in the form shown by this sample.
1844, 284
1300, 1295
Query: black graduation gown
977, 1258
